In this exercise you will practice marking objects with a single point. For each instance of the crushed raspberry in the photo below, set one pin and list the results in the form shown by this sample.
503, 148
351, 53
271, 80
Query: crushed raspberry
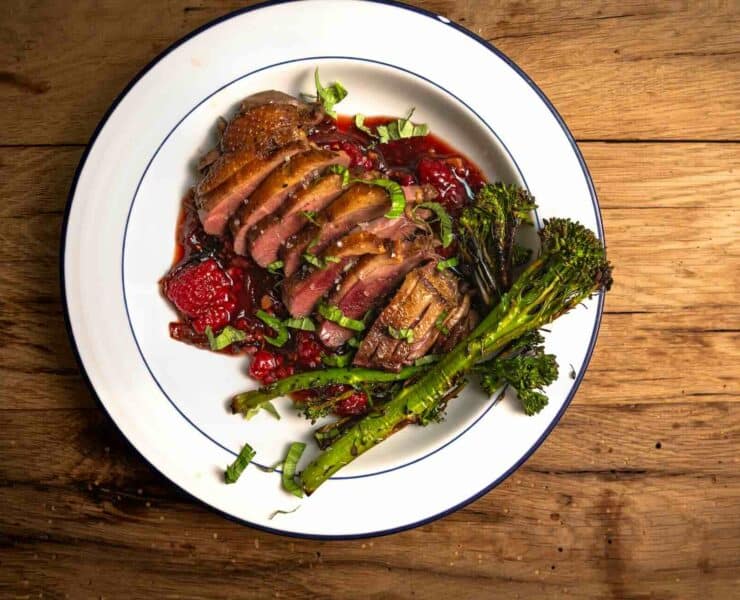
440, 175
265, 365
308, 350
356, 157
204, 292
355, 404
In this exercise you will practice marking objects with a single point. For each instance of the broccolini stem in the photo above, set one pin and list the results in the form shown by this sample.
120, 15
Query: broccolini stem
354, 376
410, 403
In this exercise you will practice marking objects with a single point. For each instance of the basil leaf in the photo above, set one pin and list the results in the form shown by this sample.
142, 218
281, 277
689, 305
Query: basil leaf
445, 221
329, 96
314, 260
274, 323
274, 267
304, 323
429, 359
335, 314
401, 128
332, 259
310, 216
395, 191
269, 407
343, 171
353, 342
289, 467
275, 513
337, 360
440, 323
228, 336
360, 124
403, 333
447, 264
235, 469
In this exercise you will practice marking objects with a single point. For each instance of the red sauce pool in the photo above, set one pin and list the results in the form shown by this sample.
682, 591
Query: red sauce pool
417, 160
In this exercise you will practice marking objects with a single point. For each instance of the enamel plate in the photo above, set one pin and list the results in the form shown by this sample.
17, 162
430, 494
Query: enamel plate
169, 399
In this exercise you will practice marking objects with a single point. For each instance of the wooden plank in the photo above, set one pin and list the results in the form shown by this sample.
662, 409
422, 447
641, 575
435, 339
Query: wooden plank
80, 508
602, 63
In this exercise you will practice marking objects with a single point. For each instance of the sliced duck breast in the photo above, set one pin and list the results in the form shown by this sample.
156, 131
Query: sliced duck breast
268, 198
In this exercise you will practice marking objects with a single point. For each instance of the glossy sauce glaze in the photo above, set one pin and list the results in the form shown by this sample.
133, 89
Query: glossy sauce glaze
219, 288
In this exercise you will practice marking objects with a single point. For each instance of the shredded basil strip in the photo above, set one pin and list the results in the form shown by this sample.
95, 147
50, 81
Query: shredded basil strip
275, 513
337, 360
401, 128
353, 342
270, 407
271, 469
445, 221
335, 314
274, 323
403, 333
235, 469
440, 323
228, 336
343, 171
304, 323
395, 191
310, 216
447, 264
274, 267
360, 124
254, 410
289, 467
314, 260
426, 360
332, 259
330, 95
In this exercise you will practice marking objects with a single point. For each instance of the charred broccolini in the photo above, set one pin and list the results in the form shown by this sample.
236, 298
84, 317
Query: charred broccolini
571, 267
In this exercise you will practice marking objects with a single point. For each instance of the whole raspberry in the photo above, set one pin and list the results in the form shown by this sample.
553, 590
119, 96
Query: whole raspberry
204, 293
440, 175
355, 404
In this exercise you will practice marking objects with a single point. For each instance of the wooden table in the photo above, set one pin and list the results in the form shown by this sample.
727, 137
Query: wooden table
636, 494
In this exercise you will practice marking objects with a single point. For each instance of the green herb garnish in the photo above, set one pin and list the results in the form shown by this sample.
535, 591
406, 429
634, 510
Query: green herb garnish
360, 124
403, 333
440, 323
313, 260
274, 323
335, 314
310, 216
337, 360
289, 468
395, 191
304, 323
270, 408
447, 264
274, 267
228, 336
235, 469
401, 128
343, 171
330, 95
445, 221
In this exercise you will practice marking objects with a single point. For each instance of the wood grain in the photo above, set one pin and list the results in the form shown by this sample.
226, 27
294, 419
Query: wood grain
636, 493
616, 70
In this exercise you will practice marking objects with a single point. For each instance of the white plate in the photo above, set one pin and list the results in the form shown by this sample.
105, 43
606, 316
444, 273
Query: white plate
169, 399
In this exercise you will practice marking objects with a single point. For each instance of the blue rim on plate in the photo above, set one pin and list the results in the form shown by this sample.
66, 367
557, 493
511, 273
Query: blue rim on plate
576, 383
492, 402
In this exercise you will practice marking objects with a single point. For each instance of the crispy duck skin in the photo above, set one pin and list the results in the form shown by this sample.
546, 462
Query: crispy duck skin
360, 205
269, 235
252, 144
420, 309
269, 197
306, 287
368, 283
